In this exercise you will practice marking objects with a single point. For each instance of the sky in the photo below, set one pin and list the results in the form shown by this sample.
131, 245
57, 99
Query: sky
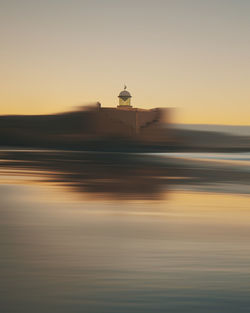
193, 55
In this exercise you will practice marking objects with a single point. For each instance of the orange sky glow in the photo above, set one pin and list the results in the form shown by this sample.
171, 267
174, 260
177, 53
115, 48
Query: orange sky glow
191, 55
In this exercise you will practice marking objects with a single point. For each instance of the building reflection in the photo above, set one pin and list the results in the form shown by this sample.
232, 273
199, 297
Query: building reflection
119, 175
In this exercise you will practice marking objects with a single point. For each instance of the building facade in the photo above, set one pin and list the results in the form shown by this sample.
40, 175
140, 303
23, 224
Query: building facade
128, 122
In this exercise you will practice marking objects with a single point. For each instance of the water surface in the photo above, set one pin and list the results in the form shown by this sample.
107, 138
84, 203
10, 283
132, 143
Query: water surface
83, 232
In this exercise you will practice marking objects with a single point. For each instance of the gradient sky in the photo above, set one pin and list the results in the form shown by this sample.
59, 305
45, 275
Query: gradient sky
189, 54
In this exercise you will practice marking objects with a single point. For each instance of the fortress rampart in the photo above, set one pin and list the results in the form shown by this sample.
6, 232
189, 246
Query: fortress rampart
126, 121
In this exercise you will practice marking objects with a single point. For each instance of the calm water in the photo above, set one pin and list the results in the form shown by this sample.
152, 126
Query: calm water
82, 232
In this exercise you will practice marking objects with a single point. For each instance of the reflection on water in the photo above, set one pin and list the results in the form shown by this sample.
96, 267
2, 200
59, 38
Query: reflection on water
130, 176
180, 244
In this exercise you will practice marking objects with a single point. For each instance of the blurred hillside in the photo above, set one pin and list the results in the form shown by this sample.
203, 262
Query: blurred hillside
70, 130
200, 140
237, 130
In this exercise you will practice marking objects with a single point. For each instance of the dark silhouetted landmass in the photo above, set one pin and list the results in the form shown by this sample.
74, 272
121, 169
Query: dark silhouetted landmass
76, 131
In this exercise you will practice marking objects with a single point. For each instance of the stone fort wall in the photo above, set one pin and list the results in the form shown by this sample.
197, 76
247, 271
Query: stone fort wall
126, 122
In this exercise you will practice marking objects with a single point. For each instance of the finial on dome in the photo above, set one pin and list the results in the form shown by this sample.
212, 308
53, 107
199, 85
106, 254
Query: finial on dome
125, 87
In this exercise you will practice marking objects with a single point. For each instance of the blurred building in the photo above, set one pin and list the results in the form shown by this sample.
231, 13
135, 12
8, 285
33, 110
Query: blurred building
126, 121
88, 125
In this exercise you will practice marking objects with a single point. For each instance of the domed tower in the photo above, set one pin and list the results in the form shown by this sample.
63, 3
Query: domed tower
124, 98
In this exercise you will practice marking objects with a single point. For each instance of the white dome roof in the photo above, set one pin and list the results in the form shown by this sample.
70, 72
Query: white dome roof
124, 94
